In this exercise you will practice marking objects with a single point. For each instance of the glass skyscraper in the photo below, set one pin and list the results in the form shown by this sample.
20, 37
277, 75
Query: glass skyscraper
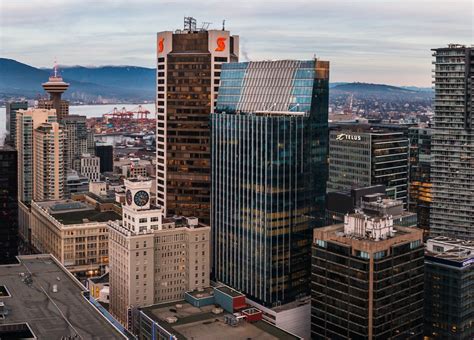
269, 148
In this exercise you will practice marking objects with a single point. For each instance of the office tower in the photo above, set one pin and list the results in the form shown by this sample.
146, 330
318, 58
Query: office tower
449, 287
153, 259
362, 156
11, 109
269, 147
452, 212
106, 154
55, 86
75, 130
8, 205
367, 280
90, 167
188, 73
370, 200
27, 122
420, 189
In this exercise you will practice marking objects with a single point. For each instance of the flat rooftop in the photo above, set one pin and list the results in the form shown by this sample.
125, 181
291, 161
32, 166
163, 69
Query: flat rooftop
335, 233
51, 315
200, 323
75, 212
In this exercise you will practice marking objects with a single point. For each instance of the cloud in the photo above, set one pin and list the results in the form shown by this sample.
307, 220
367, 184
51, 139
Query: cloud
377, 40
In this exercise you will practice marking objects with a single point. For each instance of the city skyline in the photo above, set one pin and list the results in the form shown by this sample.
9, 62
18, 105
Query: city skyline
376, 42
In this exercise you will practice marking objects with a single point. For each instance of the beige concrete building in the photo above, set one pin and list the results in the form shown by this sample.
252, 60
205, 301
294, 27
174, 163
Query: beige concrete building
154, 259
90, 167
74, 231
48, 162
27, 122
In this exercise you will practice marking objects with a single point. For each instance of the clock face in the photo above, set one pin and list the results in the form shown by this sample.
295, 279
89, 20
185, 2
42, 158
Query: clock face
128, 197
141, 198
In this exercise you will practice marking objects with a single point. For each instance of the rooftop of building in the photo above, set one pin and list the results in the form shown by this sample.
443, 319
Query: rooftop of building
335, 233
70, 212
49, 314
100, 279
451, 249
199, 323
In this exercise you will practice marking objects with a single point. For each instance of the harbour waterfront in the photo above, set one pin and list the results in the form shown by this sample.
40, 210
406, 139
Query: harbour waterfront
85, 110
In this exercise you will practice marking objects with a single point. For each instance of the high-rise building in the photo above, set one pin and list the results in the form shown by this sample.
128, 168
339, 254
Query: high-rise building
75, 130
269, 148
449, 287
367, 280
48, 162
27, 122
188, 75
153, 259
452, 141
362, 156
106, 154
420, 189
8, 204
11, 109
55, 86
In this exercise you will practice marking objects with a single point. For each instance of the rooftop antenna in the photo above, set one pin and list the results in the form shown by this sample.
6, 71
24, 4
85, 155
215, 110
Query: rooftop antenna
189, 24
205, 25
223, 25
55, 68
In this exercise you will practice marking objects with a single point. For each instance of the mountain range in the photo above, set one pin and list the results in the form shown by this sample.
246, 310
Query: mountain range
137, 84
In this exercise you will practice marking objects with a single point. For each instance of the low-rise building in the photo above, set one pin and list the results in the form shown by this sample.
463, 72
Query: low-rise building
74, 232
40, 299
211, 313
449, 289
75, 183
153, 259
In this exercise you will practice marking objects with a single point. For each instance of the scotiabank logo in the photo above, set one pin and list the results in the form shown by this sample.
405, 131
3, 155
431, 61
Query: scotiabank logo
220, 44
161, 45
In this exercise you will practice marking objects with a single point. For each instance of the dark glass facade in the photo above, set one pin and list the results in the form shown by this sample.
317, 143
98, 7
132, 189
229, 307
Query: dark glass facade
420, 189
449, 297
11, 109
268, 176
8, 205
106, 155
364, 289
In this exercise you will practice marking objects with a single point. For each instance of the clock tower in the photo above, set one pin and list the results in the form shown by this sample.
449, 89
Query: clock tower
137, 194
137, 213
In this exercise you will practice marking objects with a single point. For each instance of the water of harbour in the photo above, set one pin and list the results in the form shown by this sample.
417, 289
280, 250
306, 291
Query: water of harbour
84, 110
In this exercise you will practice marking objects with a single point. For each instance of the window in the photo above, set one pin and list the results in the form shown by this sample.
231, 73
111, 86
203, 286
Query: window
321, 243
415, 244
142, 220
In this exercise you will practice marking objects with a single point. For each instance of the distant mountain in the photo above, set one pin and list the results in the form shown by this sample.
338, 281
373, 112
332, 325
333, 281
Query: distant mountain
130, 77
86, 84
132, 83
381, 92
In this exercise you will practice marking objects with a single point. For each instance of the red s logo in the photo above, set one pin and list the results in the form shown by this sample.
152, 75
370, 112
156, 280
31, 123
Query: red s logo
161, 45
220, 44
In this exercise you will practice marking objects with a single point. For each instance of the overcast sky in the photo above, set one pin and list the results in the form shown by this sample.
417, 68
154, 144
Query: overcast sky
377, 41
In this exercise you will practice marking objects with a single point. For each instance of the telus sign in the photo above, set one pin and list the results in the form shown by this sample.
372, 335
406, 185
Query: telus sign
343, 136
